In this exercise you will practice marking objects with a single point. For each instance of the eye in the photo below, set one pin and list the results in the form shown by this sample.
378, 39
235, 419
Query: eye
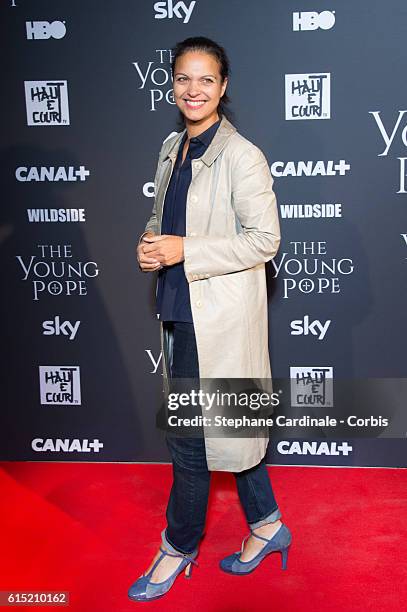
208, 80
181, 78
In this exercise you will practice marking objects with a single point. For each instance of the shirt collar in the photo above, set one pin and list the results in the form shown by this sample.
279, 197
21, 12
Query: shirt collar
206, 136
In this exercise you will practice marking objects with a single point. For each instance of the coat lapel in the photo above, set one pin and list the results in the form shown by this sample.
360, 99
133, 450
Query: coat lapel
217, 144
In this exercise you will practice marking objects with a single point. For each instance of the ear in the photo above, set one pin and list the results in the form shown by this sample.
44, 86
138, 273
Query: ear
224, 85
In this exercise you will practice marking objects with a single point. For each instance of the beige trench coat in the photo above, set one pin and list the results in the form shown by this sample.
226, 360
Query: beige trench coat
232, 229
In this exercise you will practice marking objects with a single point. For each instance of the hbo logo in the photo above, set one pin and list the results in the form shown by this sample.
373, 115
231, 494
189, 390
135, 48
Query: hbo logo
313, 20
42, 30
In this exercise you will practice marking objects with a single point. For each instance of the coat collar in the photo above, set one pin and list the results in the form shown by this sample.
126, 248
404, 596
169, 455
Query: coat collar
223, 133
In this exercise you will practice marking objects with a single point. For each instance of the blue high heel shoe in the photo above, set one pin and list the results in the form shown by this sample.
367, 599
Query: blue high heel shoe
280, 542
145, 590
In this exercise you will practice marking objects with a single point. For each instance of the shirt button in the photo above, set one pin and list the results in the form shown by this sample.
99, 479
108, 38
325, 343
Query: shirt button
194, 198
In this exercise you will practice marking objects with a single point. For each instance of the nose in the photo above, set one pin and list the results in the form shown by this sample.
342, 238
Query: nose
193, 89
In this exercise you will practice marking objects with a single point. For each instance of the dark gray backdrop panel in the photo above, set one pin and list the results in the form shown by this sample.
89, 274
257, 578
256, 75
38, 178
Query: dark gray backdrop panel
116, 131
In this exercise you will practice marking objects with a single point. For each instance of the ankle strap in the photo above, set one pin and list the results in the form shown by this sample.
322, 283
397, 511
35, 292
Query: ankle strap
256, 536
259, 537
181, 555
248, 536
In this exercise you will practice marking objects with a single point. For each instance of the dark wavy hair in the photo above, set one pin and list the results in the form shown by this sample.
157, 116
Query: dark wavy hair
205, 45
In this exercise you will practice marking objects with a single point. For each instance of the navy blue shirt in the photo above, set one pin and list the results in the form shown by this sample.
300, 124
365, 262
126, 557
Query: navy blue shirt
173, 301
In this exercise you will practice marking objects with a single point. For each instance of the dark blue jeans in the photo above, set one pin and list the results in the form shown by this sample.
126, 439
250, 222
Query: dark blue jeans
187, 505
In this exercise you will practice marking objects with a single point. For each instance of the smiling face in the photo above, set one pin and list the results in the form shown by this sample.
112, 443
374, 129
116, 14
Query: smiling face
198, 87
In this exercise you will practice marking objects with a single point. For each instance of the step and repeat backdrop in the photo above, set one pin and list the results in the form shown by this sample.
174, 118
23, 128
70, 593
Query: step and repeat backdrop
321, 88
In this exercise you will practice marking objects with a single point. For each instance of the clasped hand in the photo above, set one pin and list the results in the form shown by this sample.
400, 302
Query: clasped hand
154, 251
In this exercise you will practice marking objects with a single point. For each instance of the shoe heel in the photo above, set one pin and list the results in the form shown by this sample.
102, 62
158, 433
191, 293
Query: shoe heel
284, 556
188, 571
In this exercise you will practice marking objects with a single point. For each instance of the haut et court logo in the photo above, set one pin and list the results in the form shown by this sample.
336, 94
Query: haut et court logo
46, 102
308, 96
60, 385
311, 386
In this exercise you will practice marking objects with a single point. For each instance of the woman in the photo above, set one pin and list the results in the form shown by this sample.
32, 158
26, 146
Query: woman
209, 244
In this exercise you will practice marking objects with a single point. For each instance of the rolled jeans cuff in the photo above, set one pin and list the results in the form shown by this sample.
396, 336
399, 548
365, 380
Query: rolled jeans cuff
170, 547
270, 518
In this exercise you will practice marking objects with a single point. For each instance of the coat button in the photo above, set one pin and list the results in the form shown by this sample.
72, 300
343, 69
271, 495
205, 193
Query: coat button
198, 303
206, 275
195, 276
194, 198
192, 234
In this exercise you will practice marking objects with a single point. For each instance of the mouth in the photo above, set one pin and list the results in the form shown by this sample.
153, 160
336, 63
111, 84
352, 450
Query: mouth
194, 104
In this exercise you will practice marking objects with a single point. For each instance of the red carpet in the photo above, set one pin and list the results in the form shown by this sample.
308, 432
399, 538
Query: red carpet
92, 529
